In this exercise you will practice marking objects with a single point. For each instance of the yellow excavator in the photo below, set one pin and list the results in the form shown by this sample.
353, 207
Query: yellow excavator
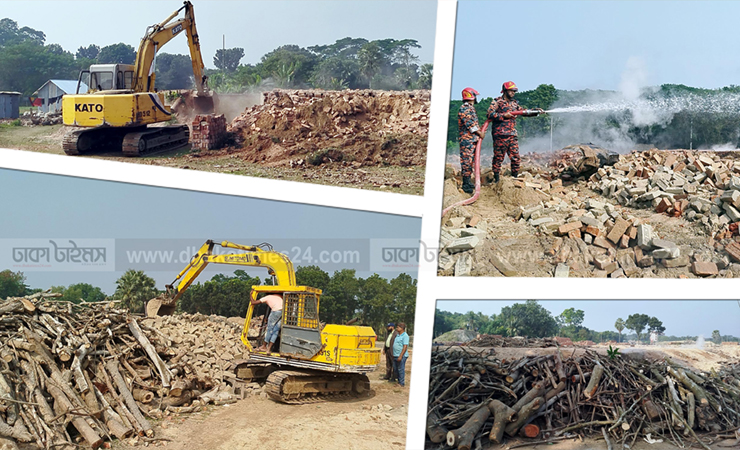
309, 362
121, 99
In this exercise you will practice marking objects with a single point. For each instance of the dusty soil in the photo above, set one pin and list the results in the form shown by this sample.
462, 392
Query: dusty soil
524, 247
256, 422
364, 139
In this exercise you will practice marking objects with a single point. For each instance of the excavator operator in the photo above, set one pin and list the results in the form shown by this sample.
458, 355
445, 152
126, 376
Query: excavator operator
275, 302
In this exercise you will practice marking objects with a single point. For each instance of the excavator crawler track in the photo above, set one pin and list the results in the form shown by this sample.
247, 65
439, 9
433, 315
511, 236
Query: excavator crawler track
300, 387
155, 140
132, 142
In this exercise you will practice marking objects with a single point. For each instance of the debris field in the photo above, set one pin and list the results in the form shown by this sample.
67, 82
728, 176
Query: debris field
298, 128
477, 400
589, 213
80, 374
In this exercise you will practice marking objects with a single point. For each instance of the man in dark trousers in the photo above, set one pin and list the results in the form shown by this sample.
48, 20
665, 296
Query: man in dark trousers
469, 133
504, 132
391, 334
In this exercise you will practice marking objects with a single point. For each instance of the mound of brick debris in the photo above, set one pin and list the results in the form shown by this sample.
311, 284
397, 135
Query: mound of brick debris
603, 220
74, 373
353, 127
476, 398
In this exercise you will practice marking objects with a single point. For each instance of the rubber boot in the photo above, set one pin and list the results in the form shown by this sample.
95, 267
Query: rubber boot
514, 174
467, 186
496, 177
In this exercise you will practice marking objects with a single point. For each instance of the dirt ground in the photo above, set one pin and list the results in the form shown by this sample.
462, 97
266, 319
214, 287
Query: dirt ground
704, 359
258, 423
525, 248
404, 180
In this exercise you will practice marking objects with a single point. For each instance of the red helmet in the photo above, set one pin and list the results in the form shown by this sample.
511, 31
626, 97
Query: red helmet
509, 86
469, 93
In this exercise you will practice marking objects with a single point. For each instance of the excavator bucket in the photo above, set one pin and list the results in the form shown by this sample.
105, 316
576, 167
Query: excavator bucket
159, 307
204, 104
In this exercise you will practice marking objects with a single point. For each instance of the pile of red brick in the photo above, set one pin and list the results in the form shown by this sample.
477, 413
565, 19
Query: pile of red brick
209, 132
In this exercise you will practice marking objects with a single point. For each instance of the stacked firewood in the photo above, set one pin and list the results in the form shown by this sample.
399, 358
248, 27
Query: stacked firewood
494, 340
91, 366
475, 397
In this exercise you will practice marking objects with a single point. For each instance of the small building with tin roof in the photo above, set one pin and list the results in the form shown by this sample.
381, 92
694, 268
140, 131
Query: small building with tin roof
49, 96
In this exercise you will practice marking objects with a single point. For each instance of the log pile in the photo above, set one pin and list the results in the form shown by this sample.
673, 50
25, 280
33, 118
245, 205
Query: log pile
495, 340
474, 397
360, 127
74, 375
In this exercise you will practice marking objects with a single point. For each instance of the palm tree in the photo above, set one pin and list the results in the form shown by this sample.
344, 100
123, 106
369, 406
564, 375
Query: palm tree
619, 325
134, 289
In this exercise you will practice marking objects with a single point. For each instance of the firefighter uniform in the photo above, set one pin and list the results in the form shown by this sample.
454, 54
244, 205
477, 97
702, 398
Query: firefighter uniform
467, 124
504, 133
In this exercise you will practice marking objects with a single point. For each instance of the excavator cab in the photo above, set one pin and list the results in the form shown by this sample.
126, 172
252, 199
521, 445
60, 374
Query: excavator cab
300, 331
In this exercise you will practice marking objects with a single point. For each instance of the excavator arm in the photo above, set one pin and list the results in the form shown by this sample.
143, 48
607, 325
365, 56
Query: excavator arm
155, 38
277, 264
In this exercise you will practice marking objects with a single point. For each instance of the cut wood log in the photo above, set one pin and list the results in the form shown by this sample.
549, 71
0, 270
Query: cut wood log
164, 372
62, 405
593, 383
112, 368
436, 432
524, 414
463, 437
142, 395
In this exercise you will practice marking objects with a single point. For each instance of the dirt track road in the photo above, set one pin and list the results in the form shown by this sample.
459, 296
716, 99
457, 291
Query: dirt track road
258, 423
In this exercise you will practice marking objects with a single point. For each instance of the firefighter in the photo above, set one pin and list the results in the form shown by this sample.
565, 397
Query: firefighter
470, 132
504, 129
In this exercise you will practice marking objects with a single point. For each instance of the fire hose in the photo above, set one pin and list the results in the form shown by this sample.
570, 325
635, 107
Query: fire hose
476, 194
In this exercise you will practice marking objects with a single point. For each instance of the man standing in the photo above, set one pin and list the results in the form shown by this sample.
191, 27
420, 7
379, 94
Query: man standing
388, 351
504, 129
275, 302
469, 133
400, 352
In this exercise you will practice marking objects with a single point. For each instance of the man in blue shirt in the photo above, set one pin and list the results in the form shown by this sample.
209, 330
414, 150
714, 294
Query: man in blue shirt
400, 352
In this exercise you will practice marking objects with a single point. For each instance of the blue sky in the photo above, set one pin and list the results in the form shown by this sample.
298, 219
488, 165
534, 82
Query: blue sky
151, 218
256, 26
587, 44
679, 317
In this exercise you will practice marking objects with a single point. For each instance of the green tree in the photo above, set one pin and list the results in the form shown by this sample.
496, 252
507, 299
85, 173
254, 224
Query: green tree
619, 325
89, 52
425, 76
331, 70
134, 289
340, 302
655, 325
571, 317
174, 71
637, 323
12, 284
117, 54
10, 34
371, 60
525, 319
291, 63
24, 67
80, 292
228, 59
716, 337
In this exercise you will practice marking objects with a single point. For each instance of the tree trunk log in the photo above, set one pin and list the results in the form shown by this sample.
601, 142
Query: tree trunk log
164, 372
522, 415
62, 405
436, 432
463, 437
593, 383
112, 367
502, 416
